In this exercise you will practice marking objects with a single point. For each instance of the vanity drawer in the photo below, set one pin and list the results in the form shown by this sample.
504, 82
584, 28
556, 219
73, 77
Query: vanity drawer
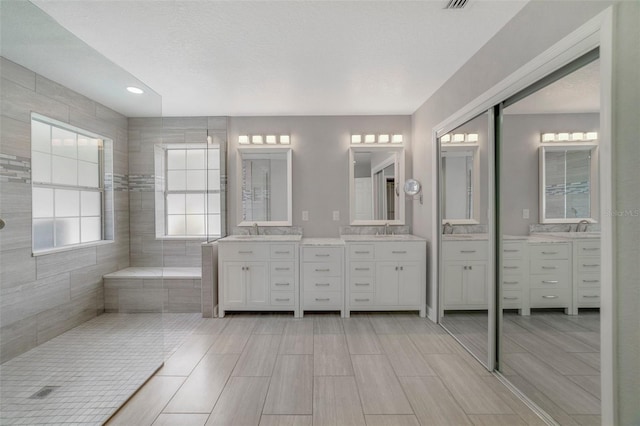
245, 251
282, 251
282, 298
589, 280
282, 269
556, 298
322, 299
400, 251
361, 269
549, 281
465, 250
313, 283
322, 269
589, 248
589, 297
512, 299
361, 251
282, 283
549, 251
362, 299
549, 266
361, 285
321, 254
589, 264
512, 267
513, 283
512, 250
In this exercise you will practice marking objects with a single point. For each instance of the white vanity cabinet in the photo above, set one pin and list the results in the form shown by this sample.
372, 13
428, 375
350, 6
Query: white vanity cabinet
322, 275
550, 275
515, 277
258, 276
465, 277
586, 270
386, 275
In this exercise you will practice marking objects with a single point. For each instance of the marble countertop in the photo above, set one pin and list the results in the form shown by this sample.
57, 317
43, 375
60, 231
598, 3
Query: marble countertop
373, 238
567, 235
261, 238
322, 242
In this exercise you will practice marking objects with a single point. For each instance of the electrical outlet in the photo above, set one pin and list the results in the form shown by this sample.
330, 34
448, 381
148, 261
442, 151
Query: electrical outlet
525, 213
305, 215
336, 215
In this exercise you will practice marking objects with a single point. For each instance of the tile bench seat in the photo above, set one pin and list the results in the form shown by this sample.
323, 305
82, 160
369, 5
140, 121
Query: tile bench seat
153, 289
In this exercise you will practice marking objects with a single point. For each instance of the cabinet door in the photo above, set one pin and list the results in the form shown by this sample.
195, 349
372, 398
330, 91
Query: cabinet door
476, 284
454, 275
410, 284
387, 283
234, 284
257, 283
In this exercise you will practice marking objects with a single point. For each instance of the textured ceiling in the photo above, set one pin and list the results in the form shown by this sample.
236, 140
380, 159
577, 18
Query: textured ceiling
283, 57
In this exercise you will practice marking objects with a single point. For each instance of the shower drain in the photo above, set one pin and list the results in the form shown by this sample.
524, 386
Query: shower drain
44, 392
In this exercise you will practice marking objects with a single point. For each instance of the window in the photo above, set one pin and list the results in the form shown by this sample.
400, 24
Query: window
68, 194
191, 191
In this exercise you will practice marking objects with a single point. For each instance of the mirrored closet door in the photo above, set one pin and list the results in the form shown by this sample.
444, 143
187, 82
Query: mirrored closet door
549, 279
466, 267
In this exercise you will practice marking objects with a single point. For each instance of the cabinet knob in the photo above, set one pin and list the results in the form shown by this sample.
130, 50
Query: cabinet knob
470, 267
2, 224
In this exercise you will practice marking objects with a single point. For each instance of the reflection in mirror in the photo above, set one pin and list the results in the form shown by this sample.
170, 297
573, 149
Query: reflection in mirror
266, 186
375, 176
459, 180
466, 272
569, 186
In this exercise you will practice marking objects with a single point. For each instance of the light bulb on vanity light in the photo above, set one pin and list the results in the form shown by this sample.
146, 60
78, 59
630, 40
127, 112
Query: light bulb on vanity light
369, 138
458, 137
563, 136
445, 138
383, 138
285, 140
256, 139
591, 136
548, 137
270, 139
397, 139
243, 140
356, 138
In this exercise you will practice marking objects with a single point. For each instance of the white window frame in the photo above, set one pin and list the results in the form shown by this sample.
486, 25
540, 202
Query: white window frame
162, 191
104, 150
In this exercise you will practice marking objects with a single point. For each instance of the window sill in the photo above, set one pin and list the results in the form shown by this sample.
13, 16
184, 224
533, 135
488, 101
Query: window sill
70, 248
179, 238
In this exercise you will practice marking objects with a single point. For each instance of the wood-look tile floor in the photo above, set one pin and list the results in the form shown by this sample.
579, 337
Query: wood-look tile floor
371, 369
553, 358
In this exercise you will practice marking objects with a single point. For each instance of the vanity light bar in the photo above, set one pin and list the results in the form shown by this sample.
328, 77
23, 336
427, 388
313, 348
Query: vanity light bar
371, 138
460, 138
568, 137
262, 139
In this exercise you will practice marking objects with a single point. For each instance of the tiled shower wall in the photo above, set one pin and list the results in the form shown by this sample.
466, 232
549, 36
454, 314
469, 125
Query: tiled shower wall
42, 297
144, 134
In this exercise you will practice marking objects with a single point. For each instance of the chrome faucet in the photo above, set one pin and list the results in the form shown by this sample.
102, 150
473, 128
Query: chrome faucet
582, 222
386, 228
447, 228
256, 231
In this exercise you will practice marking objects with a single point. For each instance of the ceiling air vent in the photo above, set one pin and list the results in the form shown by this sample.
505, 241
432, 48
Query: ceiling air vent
456, 4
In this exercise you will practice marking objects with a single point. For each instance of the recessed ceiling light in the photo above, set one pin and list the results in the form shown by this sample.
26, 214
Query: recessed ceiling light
135, 90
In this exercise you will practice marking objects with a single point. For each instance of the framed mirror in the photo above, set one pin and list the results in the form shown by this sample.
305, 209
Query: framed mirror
568, 183
265, 186
460, 183
376, 176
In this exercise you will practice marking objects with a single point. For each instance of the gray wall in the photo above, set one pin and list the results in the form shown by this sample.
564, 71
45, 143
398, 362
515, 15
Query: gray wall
626, 179
520, 180
534, 29
144, 134
44, 296
538, 26
320, 163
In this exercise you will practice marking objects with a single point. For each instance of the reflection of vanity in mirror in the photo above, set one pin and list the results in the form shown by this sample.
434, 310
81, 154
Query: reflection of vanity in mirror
265, 194
375, 176
460, 182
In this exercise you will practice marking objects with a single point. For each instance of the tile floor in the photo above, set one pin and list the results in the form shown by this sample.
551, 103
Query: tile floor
371, 369
94, 368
